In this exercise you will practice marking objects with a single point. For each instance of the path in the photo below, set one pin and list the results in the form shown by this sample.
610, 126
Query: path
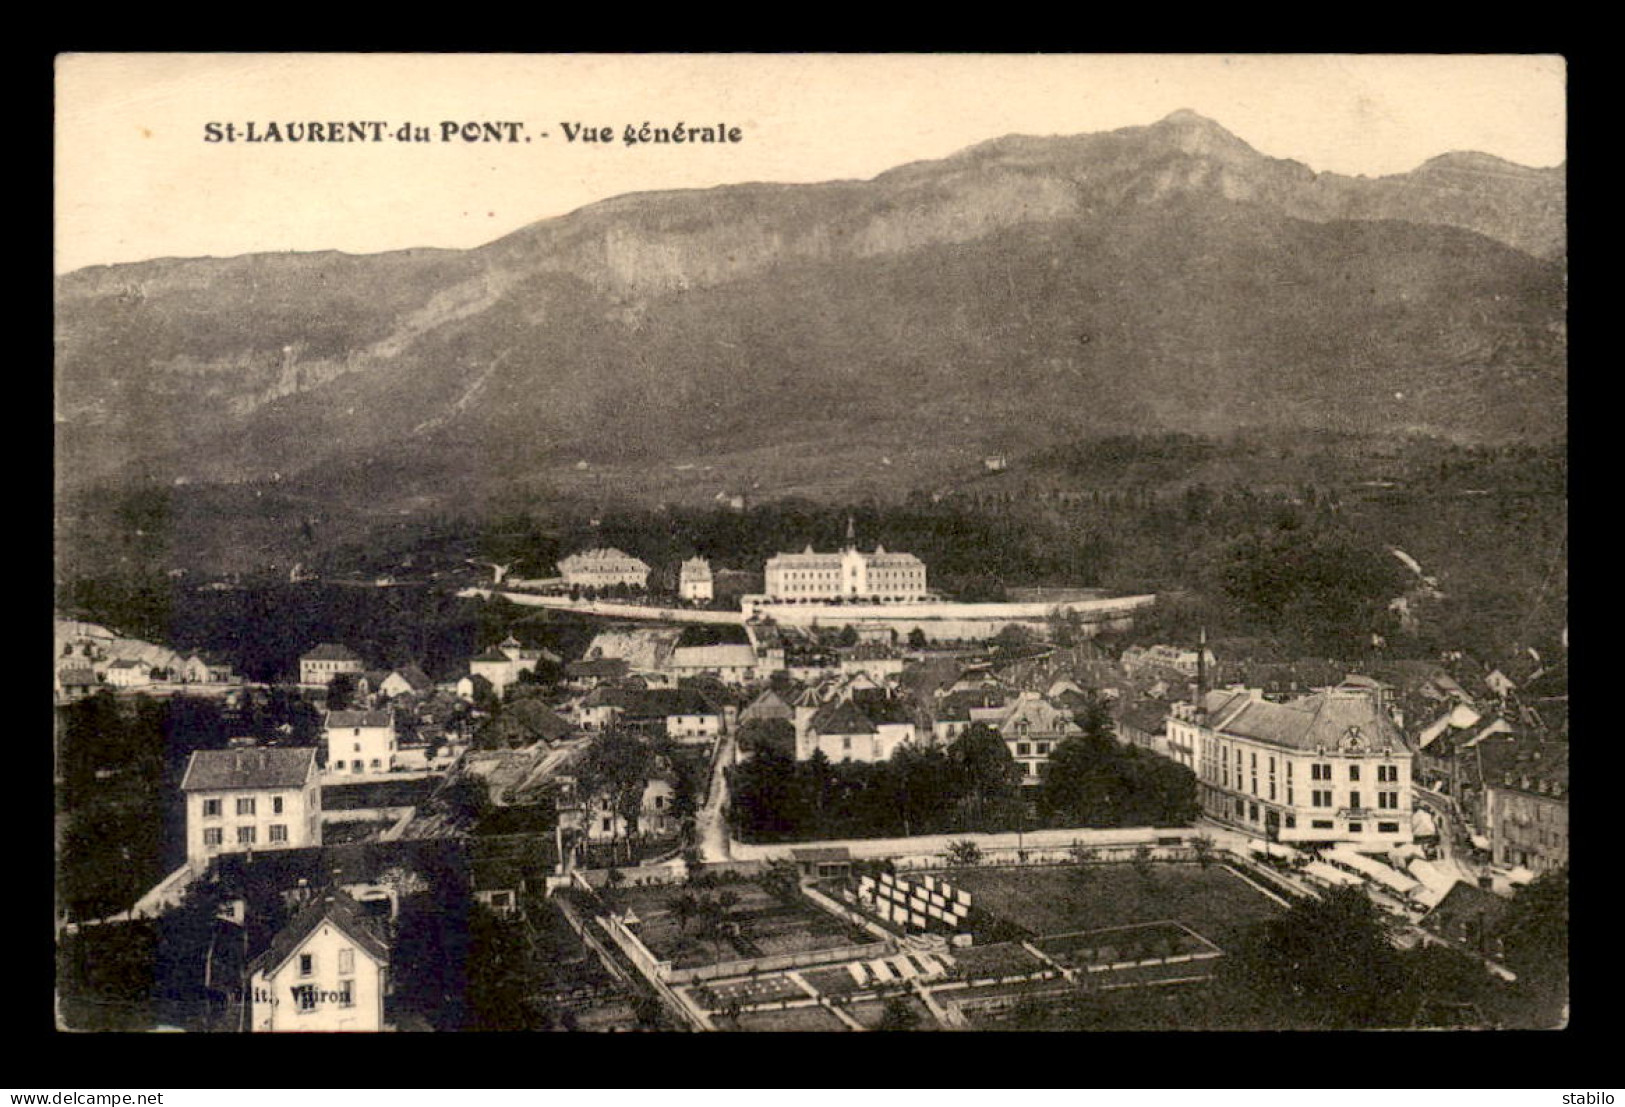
715, 844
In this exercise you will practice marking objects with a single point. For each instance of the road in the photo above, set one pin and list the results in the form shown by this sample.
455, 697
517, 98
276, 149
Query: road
712, 823
1450, 830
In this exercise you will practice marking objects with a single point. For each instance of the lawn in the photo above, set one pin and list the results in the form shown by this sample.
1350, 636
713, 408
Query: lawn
1124, 943
1069, 899
870, 1013
996, 960
795, 1019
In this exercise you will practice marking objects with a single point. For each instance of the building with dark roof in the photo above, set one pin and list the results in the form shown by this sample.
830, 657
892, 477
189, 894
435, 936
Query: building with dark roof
1525, 784
242, 800
1326, 768
326, 971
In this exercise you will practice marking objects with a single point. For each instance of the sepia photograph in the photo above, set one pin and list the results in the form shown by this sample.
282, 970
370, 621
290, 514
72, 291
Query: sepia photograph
715, 543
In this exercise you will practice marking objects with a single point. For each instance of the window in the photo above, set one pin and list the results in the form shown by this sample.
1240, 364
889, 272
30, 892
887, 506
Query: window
276, 805
358, 747
338, 764
245, 806
211, 809
1388, 800
304, 997
1354, 800
1319, 798
346, 962
1043, 748
1387, 828
1292, 822
346, 993
1356, 828
1354, 772
245, 835
279, 833
1320, 771
1321, 824
375, 763
1023, 749
307, 964
213, 836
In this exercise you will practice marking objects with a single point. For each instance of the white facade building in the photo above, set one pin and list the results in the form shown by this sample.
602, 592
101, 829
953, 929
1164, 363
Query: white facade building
694, 582
1327, 768
250, 799
604, 568
359, 743
888, 577
325, 972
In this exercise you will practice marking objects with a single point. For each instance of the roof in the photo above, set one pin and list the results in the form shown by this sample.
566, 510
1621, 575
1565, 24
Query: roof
1535, 766
671, 701
327, 651
415, 677
841, 718
1322, 721
713, 657
492, 654
822, 853
333, 906
338, 719
213, 770
77, 676
1465, 901
126, 663
768, 705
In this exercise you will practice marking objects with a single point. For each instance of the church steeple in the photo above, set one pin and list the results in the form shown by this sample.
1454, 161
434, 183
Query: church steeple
851, 534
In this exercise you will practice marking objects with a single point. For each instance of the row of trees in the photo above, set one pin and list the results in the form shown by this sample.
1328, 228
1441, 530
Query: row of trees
972, 785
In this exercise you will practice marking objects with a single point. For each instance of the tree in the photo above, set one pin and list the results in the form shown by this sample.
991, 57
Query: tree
684, 906
781, 880
1326, 964
341, 691
985, 771
616, 769
1142, 862
899, 1014
917, 639
1535, 933
963, 853
1202, 844
848, 636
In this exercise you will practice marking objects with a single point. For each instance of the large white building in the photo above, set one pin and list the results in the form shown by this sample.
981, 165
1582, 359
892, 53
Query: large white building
604, 568
888, 577
326, 661
250, 799
1326, 768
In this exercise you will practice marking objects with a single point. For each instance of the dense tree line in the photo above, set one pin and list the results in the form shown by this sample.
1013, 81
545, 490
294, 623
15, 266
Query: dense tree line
972, 785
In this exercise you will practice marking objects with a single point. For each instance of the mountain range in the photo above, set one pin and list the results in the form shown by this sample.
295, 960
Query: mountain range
1022, 293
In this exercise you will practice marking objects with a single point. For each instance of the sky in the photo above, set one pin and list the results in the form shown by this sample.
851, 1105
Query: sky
135, 178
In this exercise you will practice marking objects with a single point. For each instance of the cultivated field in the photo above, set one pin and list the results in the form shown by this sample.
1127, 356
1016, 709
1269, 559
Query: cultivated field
765, 927
1071, 899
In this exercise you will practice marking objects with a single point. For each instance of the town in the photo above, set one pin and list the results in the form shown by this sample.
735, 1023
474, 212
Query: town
834, 800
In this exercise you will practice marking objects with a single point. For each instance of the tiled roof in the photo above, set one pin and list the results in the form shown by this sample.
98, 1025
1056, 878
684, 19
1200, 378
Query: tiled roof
330, 652
1320, 721
491, 655
841, 718
213, 770
332, 906
338, 719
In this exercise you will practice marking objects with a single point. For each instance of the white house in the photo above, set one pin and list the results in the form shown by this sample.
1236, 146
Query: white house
694, 580
128, 673
322, 664
246, 799
359, 743
325, 971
